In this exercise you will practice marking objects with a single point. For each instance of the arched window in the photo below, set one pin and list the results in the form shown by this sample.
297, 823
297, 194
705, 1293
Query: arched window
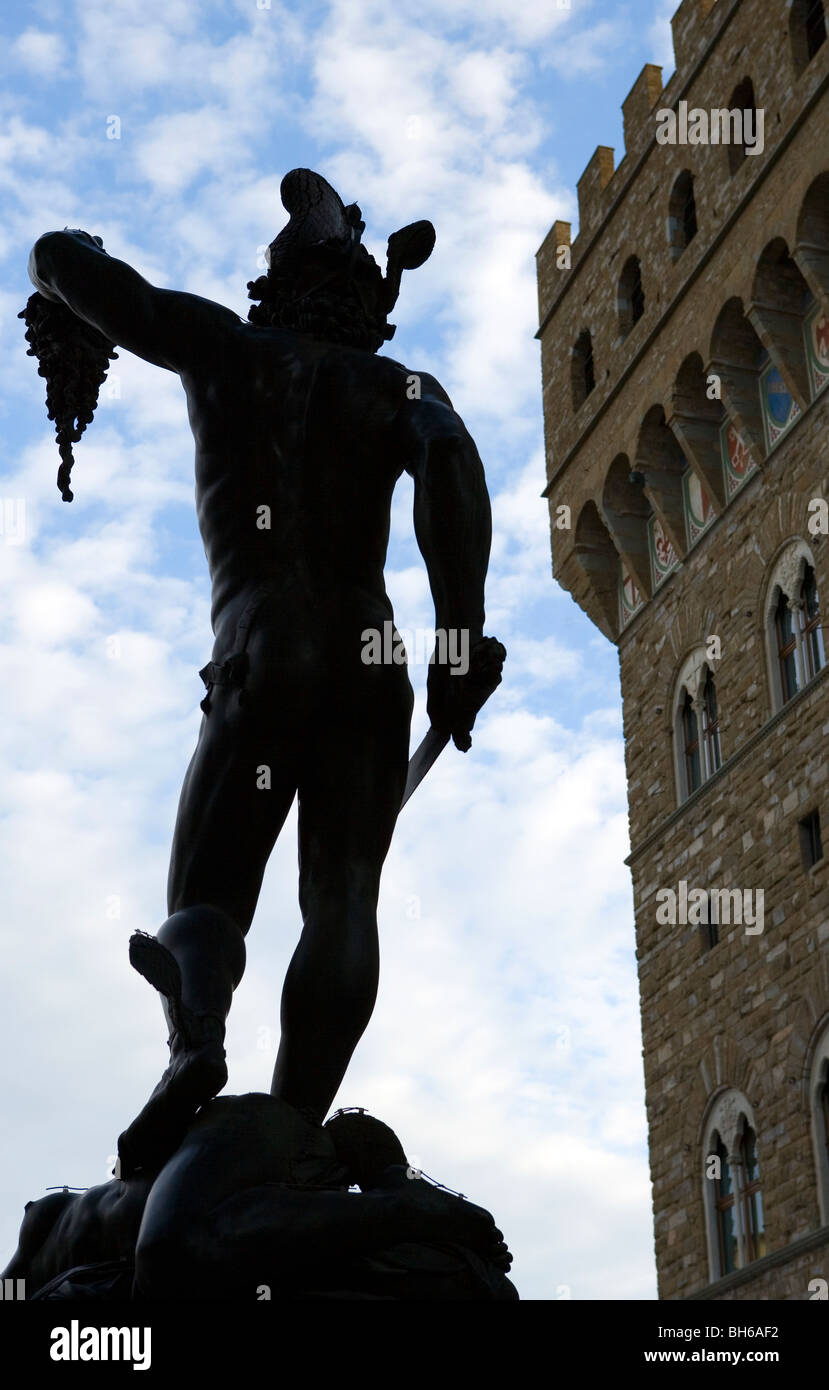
631, 299
696, 724
742, 101
724, 1198
786, 647
583, 374
754, 1225
797, 651
732, 1193
711, 725
682, 214
814, 655
690, 737
819, 1107
807, 29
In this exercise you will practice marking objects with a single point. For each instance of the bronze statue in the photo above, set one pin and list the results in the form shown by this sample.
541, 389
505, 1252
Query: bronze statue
301, 434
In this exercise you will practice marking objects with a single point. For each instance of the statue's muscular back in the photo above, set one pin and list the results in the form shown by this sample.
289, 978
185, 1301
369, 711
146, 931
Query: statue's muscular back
282, 498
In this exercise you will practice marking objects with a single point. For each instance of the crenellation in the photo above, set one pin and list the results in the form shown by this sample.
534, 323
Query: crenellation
553, 258
690, 29
591, 187
638, 106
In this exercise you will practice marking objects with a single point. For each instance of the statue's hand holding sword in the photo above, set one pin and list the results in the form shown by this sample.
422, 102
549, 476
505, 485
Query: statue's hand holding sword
453, 704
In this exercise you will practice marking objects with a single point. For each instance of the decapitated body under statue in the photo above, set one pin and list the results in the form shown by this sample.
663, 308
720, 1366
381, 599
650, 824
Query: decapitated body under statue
301, 435
255, 1204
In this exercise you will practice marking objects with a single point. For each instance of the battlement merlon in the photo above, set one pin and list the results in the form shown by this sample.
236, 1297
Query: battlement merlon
637, 107
547, 262
591, 186
687, 29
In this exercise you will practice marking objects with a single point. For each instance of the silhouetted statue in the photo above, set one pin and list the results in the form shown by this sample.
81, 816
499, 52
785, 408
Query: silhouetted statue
255, 1204
301, 435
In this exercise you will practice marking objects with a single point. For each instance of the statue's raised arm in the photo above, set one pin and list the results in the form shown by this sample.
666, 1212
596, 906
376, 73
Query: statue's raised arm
85, 303
165, 327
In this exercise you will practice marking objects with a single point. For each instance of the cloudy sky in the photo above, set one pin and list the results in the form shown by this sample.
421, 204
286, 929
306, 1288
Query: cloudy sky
505, 1046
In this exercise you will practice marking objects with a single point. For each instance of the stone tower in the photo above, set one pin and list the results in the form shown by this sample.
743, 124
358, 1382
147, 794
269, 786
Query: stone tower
685, 365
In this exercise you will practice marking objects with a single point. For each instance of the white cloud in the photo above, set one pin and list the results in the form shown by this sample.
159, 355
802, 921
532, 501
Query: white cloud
173, 151
43, 53
587, 51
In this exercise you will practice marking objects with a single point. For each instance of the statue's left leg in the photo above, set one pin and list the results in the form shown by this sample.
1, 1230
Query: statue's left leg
349, 797
225, 830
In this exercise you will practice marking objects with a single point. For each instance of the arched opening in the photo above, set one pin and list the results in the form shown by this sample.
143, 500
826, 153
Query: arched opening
696, 419
582, 370
661, 462
812, 249
598, 558
807, 31
631, 296
743, 123
626, 510
737, 359
780, 298
682, 214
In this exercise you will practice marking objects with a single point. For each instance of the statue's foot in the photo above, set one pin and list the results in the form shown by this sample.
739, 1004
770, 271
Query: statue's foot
443, 1216
194, 1076
197, 1070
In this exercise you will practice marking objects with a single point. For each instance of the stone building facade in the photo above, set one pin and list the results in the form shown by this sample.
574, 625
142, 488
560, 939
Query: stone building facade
685, 367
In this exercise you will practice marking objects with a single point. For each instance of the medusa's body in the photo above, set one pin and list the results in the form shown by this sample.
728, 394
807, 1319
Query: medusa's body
256, 1194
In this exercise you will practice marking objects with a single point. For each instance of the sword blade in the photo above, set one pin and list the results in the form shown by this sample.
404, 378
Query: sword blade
422, 759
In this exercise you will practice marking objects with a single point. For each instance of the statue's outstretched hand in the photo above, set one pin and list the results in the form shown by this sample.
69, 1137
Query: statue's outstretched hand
44, 290
455, 699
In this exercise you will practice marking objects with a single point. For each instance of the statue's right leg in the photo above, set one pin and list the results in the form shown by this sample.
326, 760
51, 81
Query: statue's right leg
228, 821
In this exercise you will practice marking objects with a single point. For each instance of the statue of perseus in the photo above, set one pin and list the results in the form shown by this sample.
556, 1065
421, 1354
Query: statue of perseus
301, 434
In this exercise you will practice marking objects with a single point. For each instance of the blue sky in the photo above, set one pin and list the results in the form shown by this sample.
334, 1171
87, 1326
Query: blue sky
505, 1046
